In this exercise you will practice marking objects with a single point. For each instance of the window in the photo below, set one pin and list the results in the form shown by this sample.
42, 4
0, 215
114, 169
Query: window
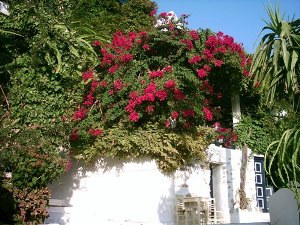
259, 192
258, 178
260, 202
257, 167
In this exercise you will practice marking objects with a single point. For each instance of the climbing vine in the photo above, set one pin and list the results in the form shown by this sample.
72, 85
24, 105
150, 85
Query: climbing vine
164, 84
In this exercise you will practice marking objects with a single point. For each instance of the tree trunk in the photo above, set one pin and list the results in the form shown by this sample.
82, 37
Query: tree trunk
243, 198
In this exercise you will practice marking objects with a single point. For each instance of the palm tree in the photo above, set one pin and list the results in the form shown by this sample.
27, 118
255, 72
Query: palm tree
276, 67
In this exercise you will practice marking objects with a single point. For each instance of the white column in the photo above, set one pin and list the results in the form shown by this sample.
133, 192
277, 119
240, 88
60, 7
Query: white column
236, 109
220, 189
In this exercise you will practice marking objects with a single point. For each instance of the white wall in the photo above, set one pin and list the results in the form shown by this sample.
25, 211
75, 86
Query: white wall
135, 192
226, 185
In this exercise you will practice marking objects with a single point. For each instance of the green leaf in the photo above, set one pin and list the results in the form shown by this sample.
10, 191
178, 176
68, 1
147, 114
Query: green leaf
286, 54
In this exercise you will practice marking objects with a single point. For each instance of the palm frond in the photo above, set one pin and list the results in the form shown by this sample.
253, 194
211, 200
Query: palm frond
284, 154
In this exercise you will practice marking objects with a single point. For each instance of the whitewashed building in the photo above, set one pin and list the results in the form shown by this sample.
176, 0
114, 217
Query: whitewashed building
136, 192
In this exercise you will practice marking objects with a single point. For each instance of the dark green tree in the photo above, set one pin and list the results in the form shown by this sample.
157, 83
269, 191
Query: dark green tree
276, 68
44, 48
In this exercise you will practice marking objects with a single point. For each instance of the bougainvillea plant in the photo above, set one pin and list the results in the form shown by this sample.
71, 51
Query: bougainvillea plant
181, 80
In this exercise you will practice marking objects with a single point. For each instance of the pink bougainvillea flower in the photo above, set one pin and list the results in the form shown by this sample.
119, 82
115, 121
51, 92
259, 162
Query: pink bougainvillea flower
68, 166
178, 94
103, 51
201, 73
134, 116
227, 144
87, 75
170, 84
218, 63
234, 137
143, 33
118, 84
94, 85
194, 34
222, 49
174, 115
155, 74
149, 97
111, 92
113, 69
74, 135
207, 114
246, 72
96, 43
126, 58
150, 108
163, 14
168, 69
161, 95
142, 98
188, 43
95, 132
107, 59
224, 130
195, 59
103, 83
133, 95
211, 42
221, 138
121, 42
89, 100
80, 114
167, 123
153, 12
146, 47
188, 113
131, 105
151, 88
207, 68
171, 26
208, 54
216, 125
132, 36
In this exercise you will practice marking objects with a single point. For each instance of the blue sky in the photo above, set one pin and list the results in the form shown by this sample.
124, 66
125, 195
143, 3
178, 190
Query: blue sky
241, 19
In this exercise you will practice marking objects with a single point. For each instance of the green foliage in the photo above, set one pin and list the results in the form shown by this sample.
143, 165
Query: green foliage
149, 82
171, 149
33, 158
276, 60
107, 16
44, 47
287, 149
260, 126
256, 133
276, 69
32, 205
